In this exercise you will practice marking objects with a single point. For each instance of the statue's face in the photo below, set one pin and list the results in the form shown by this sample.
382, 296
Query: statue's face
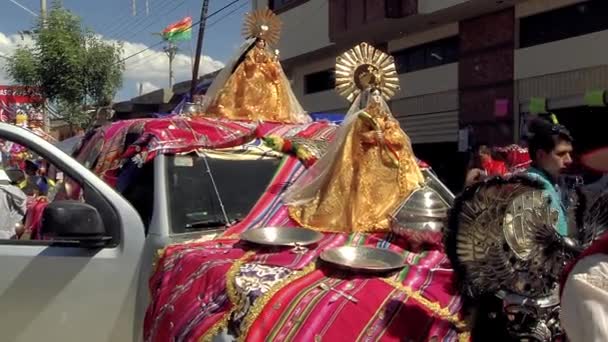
261, 43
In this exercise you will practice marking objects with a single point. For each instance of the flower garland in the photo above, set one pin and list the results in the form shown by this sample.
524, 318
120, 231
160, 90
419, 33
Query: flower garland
285, 145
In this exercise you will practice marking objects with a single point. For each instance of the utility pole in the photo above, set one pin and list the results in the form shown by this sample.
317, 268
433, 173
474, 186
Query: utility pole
43, 9
170, 50
199, 47
45, 114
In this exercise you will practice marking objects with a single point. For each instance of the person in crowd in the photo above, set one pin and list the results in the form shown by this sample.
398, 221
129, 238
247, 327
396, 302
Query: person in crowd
550, 147
484, 165
13, 203
19, 178
36, 174
584, 301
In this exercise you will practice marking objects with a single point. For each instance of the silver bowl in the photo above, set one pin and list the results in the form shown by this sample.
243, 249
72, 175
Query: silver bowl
363, 259
282, 236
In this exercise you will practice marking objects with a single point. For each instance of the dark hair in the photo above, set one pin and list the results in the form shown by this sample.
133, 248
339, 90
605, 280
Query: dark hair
544, 135
484, 149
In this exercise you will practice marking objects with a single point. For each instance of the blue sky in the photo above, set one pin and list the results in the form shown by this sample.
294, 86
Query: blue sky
114, 20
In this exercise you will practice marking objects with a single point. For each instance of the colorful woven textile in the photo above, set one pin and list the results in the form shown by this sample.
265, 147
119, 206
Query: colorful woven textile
194, 292
194, 296
179, 135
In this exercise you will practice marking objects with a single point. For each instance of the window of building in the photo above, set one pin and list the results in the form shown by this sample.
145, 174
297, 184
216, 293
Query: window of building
428, 55
283, 5
566, 22
319, 81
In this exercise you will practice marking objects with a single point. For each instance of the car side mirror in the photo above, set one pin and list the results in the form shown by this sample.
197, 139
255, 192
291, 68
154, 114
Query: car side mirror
74, 221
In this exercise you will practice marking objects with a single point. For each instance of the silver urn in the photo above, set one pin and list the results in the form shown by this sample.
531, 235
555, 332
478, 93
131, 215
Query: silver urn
422, 216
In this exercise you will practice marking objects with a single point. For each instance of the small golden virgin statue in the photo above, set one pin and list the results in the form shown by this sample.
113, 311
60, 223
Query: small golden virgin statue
253, 85
369, 168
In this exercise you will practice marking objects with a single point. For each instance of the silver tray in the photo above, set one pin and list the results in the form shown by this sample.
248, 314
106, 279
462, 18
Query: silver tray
363, 259
282, 236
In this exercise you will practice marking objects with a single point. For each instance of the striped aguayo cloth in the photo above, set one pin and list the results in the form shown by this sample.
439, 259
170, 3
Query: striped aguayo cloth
194, 293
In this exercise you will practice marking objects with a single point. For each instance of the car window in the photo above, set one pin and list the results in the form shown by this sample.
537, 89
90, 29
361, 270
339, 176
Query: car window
196, 184
29, 183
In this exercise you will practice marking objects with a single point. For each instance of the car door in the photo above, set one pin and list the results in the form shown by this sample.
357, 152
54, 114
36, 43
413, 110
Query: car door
65, 290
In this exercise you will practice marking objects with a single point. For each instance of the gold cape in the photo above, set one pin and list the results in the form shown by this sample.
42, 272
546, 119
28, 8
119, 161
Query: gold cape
255, 90
363, 187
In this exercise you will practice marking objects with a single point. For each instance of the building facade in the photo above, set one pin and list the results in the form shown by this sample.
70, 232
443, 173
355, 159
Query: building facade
470, 65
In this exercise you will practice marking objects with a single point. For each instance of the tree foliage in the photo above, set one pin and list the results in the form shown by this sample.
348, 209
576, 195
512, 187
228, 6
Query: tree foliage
72, 67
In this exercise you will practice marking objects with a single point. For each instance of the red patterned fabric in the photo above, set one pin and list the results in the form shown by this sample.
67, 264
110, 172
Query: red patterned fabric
494, 167
190, 295
516, 157
191, 288
33, 218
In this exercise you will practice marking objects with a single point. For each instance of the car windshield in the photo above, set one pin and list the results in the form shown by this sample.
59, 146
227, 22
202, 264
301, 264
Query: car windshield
193, 201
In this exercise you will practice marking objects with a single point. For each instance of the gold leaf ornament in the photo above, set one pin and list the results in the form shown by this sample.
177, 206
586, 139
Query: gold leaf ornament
262, 24
363, 67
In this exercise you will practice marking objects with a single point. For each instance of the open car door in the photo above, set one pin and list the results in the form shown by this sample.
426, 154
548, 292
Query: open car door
72, 275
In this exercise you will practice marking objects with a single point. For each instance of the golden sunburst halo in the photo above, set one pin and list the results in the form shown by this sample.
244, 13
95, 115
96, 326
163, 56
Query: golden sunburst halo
365, 66
263, 24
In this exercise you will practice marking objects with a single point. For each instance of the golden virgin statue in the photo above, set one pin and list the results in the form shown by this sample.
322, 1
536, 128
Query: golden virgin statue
369, 168
253, 85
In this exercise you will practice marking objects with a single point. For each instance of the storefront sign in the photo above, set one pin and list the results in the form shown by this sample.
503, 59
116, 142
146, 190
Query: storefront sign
18, 103
538, 105
501, 108
595, 98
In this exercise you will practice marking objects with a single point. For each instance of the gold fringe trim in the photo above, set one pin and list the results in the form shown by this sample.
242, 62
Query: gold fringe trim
232, 296
464, 337
292, 211
157, 256
435, 307
260, 303
161, 251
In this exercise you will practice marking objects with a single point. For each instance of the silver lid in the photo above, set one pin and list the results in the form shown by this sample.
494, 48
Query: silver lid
423, 203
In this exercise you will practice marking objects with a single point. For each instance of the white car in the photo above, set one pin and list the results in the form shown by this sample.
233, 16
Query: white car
90, 282
67, 289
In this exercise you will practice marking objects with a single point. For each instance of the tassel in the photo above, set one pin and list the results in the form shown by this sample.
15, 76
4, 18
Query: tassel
553, 118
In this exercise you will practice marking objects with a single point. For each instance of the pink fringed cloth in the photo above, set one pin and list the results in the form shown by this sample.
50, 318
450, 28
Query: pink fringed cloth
195, 293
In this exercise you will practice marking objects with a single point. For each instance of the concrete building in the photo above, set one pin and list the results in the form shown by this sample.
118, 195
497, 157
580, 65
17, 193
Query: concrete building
463, 64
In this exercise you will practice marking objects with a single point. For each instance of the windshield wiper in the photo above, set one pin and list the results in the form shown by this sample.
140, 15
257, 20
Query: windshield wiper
211, 223
206, 224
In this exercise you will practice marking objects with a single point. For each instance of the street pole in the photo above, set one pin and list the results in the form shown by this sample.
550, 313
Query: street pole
170, 50
43, 8
45, 114
199, 47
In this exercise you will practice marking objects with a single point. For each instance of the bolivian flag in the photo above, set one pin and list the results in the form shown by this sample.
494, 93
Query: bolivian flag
181, 30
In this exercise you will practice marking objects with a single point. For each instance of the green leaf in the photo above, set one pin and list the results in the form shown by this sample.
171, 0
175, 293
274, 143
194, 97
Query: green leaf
72, 66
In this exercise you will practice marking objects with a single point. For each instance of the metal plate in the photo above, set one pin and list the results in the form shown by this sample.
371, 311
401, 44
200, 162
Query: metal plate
364, 259
282, 236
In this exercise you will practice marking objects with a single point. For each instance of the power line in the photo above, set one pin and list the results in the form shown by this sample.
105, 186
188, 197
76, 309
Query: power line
119, 22
126, 25
228, 14
154, 22
193, 24
24, 8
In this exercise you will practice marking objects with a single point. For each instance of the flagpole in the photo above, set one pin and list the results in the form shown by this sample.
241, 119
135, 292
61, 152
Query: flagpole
199, 46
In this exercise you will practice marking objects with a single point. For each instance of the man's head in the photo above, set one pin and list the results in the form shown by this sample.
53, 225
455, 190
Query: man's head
31, 169
484, 153
550, 147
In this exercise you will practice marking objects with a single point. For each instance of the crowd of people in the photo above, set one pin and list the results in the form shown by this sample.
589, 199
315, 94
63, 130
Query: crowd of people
24, 182
584, 285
